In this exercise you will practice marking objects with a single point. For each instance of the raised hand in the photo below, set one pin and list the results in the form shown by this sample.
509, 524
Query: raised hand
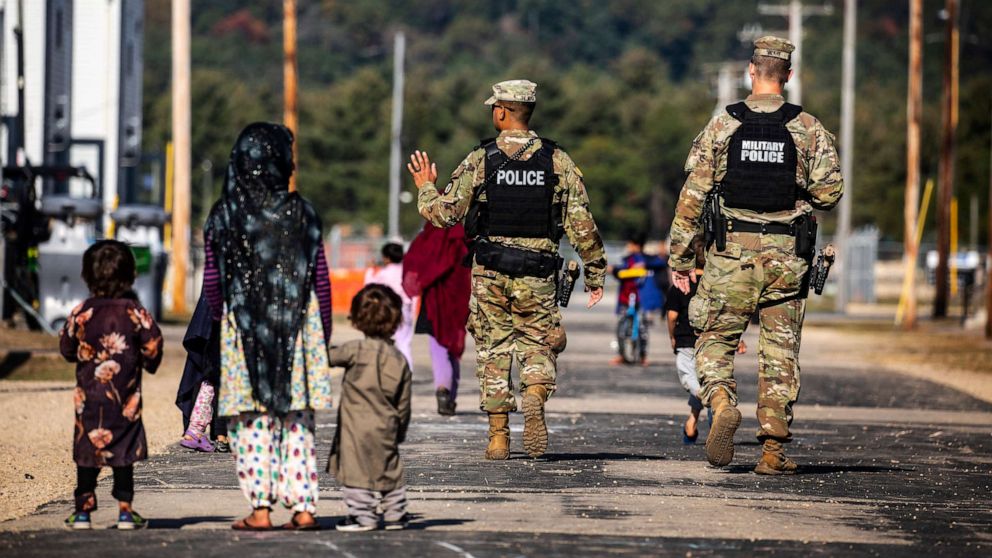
422, 169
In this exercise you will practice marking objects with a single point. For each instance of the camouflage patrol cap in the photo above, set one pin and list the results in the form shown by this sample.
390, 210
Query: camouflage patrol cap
776, 47
519, 90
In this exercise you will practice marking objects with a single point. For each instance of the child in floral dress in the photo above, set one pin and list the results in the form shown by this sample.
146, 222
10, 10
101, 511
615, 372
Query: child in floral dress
112, 339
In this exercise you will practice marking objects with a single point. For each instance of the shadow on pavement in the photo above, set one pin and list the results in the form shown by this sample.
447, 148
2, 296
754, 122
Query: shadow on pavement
826, 469
418, 524
12, 361
600, 456
180, 522
327, 523
830, 469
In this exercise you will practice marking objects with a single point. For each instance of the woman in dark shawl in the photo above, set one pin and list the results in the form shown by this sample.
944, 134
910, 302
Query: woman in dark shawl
267, 283
433, 269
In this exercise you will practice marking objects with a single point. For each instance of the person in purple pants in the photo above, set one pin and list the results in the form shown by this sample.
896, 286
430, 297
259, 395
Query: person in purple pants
433, 270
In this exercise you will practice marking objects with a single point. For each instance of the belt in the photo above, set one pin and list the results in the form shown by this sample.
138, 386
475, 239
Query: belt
735, 225
516, 262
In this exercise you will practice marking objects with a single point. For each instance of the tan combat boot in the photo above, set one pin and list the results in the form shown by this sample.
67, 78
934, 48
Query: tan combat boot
773, 460
726, 419
535, 429
499, 437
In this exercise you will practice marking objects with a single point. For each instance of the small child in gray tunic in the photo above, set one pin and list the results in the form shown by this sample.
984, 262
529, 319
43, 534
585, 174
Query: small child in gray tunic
373, 415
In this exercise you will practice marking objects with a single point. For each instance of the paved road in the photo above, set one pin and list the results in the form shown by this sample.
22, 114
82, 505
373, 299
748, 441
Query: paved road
890, 465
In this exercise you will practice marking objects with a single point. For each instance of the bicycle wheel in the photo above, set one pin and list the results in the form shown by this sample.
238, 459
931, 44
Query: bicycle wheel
627, 346
642, 346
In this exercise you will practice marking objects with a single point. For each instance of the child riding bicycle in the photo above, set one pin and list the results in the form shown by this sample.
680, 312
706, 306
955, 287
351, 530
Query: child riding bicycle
639, 295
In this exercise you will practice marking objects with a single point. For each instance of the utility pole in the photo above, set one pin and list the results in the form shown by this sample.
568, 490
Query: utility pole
181, 151
988, 272
399, 52
973, 222
727, 80
950, 124
846, 150
796, 37
914, 108
796, 13
290, 110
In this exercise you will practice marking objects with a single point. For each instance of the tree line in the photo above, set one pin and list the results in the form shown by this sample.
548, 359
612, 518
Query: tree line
624, 86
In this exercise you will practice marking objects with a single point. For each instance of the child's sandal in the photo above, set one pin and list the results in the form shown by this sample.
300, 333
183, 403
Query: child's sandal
196, 443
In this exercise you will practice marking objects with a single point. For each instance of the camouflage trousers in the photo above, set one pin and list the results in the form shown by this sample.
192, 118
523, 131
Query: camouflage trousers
513, 318
755, 273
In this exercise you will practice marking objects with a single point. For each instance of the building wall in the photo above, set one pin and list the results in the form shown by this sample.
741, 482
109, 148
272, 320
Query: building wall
34, 70
95, 83
95, 86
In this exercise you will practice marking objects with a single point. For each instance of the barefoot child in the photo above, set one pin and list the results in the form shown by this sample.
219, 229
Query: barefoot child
111, 338
373, 415
683, 339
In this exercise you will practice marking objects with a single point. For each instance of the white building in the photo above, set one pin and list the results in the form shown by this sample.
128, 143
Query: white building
98, 96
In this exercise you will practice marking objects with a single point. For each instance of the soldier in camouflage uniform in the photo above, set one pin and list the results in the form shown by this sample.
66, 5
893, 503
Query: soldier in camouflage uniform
516, 190
746, 151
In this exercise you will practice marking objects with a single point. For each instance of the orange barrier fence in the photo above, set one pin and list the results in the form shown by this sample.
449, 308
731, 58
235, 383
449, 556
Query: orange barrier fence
345, 284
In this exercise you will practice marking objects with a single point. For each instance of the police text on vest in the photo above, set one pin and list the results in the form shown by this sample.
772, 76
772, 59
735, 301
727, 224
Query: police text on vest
520, 178
763, 151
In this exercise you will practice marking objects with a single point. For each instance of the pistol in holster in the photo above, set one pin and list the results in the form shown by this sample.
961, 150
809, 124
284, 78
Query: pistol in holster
821, 269
567, 283
816, 275
714, 223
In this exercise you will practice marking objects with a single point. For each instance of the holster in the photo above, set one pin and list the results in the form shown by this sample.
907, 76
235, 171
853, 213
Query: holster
720, 238
516, 262
805, 229
714, 223
807, 279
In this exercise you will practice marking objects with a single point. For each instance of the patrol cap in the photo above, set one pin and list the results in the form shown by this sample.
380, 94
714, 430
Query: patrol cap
519, 90
776, 47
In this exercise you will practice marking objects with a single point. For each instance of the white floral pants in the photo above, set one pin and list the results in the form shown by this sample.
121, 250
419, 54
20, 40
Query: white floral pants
277, 460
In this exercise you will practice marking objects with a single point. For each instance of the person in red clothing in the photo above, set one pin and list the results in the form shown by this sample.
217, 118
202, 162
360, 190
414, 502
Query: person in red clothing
434, 269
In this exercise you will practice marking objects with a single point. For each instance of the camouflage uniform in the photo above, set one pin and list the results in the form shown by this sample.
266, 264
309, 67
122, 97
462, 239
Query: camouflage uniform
756, 271
517, 316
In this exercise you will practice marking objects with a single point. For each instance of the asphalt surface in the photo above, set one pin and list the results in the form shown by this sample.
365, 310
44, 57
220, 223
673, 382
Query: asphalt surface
889, 465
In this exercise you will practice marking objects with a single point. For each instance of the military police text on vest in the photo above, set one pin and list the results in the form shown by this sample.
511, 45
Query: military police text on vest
763, 151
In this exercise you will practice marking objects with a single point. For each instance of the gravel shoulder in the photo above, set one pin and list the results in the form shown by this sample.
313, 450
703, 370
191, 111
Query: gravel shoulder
943, 353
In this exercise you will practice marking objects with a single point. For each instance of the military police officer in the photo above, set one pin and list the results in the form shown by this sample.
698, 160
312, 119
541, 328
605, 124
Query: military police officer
771, 164
519, 194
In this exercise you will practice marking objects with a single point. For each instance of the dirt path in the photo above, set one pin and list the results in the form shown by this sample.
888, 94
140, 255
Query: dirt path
35, 444
941, 353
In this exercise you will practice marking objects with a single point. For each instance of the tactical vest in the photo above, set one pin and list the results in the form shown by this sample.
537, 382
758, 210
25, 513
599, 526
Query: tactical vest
519, 196
761, 160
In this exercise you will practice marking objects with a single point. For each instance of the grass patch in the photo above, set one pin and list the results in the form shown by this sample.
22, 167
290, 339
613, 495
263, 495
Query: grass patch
939, 345
25, 366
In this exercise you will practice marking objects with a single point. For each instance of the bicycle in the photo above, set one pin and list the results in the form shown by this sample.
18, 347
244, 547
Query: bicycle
632, 327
